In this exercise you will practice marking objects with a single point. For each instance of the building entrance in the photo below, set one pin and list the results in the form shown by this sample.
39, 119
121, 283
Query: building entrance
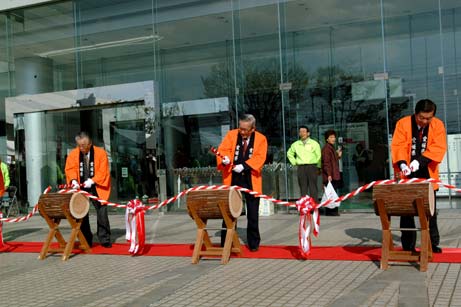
118, 122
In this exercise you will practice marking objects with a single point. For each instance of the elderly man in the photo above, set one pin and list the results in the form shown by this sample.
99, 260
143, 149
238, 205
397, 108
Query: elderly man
88, 166
248, 149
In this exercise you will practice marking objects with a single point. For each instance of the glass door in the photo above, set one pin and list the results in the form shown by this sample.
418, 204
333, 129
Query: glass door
127, 151
49, 137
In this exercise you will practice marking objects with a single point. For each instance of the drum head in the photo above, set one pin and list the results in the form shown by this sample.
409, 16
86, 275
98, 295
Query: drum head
235, 203
431, 199
79, 205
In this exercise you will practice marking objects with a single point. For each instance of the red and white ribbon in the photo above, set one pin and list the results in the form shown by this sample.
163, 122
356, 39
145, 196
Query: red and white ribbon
91, 196
27, 216
307, 214
135, 227
304, 239
307, 207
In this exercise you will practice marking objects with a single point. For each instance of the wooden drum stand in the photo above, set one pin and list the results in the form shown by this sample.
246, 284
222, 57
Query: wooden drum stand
71, 206
416, 199
215, 204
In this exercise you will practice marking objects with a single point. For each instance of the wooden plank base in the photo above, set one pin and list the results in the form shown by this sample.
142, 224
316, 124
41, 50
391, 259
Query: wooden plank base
64, 247
203, 245
388, 253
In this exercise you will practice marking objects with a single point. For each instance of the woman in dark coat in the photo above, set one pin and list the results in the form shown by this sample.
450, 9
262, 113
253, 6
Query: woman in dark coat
330, 165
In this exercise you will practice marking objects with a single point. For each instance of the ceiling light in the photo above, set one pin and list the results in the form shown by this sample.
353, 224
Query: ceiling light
124, 42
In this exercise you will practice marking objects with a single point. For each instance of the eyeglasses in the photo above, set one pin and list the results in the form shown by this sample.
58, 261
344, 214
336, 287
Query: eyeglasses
245, 129
84, 145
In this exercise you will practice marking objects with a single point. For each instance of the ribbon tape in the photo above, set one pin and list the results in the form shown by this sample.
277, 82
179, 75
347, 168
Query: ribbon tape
309, 220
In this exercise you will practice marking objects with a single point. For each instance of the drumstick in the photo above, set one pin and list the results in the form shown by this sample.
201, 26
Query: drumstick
401, 175
66, 186
217, 153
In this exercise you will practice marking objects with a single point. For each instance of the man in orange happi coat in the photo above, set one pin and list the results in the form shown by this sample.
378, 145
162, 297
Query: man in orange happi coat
418, 147
248, 149
88, 166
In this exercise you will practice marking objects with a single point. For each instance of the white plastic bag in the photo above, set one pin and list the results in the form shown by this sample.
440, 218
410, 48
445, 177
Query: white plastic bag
330, 193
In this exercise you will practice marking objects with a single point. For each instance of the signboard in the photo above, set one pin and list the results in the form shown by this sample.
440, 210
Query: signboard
195, 107
453, 150
285, 86
451, 159
11, 4
376, 89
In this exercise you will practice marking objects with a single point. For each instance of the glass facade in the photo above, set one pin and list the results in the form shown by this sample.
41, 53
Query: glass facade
354, 66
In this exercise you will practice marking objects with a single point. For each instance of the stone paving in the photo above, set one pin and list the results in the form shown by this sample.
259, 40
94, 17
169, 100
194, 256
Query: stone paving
105, 280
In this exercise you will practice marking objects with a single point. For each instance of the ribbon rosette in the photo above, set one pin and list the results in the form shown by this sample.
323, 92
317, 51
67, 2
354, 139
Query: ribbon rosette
307, 212
135, 229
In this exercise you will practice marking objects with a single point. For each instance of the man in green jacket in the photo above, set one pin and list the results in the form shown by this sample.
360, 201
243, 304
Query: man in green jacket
5, 173
306, 154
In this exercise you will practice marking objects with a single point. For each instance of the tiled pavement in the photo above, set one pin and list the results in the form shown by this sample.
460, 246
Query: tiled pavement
104, 280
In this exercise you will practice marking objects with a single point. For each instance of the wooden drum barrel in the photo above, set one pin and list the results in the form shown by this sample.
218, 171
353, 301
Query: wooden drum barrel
205, 203
54, 205
399, 198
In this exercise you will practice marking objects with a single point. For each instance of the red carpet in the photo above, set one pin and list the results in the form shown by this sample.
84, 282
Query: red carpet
352, 253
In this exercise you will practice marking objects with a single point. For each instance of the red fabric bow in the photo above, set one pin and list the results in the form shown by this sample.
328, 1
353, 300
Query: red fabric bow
135, 227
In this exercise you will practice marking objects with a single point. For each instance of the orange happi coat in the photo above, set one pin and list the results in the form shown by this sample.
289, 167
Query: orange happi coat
2, 185
435, 150
101, 170
256, 162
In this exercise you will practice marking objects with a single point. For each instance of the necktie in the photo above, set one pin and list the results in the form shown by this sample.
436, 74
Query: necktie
86, 166
151, 168
245, 146
421, 134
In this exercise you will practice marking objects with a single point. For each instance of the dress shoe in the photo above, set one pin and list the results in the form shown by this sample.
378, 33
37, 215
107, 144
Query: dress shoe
436, 249
254, 249
107, 245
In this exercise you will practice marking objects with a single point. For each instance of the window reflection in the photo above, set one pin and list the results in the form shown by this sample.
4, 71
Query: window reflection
327, 65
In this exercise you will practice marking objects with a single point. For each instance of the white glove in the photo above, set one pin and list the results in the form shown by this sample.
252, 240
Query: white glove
88, 183
414, 166
74, 185
405, 169
225, 160
238, 168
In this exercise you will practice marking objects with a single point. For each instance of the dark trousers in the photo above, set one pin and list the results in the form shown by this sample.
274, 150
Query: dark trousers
103, 231
307, 180
409, 237
252, 212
